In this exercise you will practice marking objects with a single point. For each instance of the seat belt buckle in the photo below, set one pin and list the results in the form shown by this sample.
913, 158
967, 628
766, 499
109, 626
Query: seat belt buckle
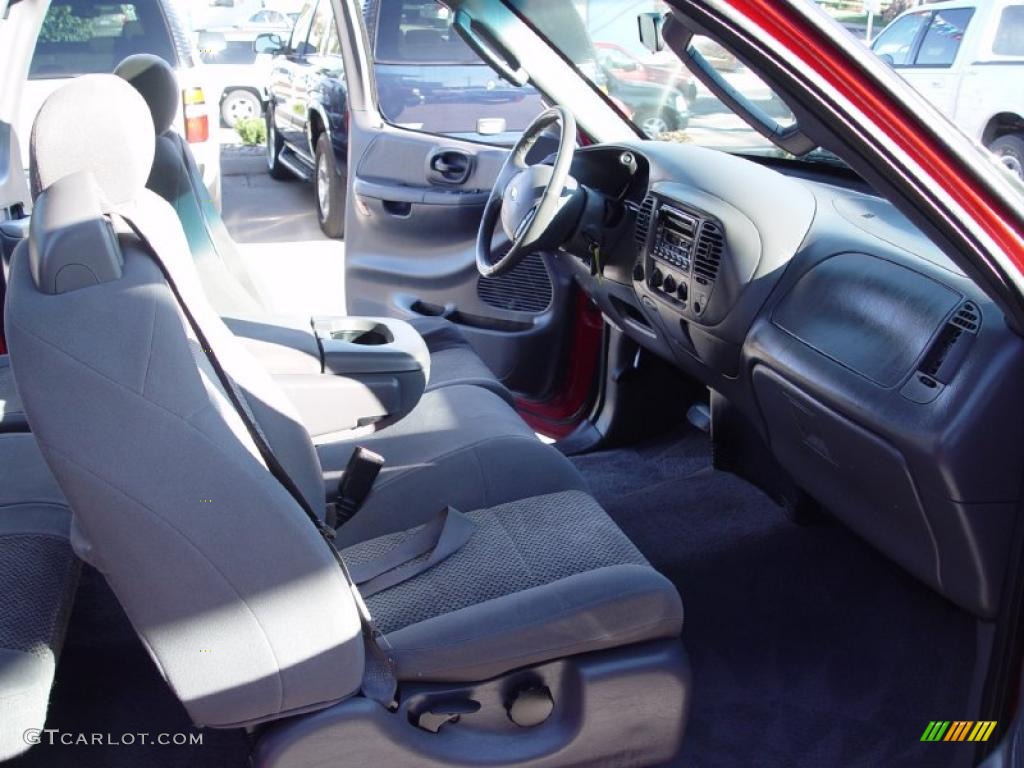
360, 473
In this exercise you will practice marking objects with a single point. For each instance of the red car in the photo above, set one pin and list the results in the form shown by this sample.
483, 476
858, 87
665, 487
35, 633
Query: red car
624, 65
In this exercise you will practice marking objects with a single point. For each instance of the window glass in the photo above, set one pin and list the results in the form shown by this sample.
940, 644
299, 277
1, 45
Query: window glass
1009, 40
81, 37
419, 31
323, 20
897, 41
428, 79
333, 45
234, 52
301, 30
656, 91
943, 38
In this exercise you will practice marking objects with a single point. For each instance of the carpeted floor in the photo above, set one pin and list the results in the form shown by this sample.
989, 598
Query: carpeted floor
807, 647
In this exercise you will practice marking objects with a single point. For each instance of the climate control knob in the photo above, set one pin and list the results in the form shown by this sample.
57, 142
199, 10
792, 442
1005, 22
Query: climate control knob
656, 278
682, 292
638, 272
669, 286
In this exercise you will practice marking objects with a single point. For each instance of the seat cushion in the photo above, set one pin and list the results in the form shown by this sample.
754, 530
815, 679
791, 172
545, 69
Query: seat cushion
540, 579
461, 446
38, 575
12, 415
453, 360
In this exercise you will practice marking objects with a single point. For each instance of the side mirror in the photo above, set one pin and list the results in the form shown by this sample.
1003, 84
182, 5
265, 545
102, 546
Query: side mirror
268, 42
649, 26
211, 43
888, 59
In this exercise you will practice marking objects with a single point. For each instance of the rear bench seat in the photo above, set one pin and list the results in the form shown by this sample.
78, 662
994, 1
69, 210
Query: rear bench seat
38, 576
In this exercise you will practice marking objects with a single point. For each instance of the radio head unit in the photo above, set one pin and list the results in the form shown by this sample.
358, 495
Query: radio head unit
674, 236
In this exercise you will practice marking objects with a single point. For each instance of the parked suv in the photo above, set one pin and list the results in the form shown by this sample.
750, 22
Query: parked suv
966, 57
427, 79
87, 36
237, 72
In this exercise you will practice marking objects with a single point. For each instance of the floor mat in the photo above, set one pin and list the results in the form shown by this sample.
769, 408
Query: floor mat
808, 648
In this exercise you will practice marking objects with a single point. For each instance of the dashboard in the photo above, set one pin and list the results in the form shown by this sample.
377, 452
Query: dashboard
844, 351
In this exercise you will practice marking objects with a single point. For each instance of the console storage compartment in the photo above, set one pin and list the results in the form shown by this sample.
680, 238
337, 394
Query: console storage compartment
341, 372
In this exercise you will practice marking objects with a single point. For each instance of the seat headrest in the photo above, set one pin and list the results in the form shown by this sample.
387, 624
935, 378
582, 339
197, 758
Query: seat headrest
155, 80
98, 124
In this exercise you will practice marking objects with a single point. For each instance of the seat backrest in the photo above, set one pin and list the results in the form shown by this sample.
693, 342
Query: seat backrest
175, 177
230, 587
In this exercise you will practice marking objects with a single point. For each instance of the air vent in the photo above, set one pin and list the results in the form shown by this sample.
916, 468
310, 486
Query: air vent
967, 317
940, 350
643, 221
707, 253
950, 347
526, 288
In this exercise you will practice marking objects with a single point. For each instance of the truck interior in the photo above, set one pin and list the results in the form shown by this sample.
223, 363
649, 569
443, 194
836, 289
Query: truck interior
627, 451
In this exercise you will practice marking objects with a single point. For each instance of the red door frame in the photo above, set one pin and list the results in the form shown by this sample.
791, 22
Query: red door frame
806, 43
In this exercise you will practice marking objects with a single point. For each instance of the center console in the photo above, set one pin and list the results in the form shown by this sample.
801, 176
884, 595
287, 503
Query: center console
682, 261
342, 373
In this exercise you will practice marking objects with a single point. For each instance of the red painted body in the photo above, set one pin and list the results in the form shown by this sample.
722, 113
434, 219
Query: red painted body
896, 121
561, 414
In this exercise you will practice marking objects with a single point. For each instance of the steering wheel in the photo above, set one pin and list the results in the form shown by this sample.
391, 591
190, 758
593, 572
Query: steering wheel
534, 202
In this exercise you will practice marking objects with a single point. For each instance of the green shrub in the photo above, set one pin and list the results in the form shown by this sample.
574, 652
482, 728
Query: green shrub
251, 130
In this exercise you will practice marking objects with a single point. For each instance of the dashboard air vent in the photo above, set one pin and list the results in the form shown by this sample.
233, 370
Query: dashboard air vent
643, 221
950, 347
707, 253
525, 288
967, 317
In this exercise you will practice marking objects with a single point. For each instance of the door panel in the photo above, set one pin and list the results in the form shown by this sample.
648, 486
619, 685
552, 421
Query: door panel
410, 251
425, 150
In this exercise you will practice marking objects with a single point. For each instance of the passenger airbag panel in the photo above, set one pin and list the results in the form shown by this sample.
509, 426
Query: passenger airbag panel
868, 314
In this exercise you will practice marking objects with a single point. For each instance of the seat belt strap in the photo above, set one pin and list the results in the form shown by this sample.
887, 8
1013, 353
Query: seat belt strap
438, 540
360, 473
379, 681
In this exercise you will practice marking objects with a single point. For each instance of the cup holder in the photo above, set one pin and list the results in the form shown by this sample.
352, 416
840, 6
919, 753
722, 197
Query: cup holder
369, 335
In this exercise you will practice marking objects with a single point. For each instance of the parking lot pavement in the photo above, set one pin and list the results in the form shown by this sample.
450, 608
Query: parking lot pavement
298, 270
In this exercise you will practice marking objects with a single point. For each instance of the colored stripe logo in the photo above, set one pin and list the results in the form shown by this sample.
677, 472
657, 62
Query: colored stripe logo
959, 730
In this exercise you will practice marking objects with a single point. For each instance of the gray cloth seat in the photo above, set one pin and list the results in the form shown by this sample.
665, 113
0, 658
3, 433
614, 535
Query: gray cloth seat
540, 578
231, 588
224, 273
12, 415
478, 450
38, 576
461, 446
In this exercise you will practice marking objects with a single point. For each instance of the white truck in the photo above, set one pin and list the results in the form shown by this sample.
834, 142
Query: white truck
967, 58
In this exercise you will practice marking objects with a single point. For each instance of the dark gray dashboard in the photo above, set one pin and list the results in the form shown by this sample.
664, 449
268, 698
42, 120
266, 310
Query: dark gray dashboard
880, 378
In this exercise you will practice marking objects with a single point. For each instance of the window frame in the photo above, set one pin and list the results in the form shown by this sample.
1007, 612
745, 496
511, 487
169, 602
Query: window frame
292, 42
372, 33
915, 46
317, 49
972, 11
993, 56
159, 13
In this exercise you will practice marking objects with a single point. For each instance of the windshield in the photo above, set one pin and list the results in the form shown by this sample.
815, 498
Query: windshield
963, 57
656, 91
